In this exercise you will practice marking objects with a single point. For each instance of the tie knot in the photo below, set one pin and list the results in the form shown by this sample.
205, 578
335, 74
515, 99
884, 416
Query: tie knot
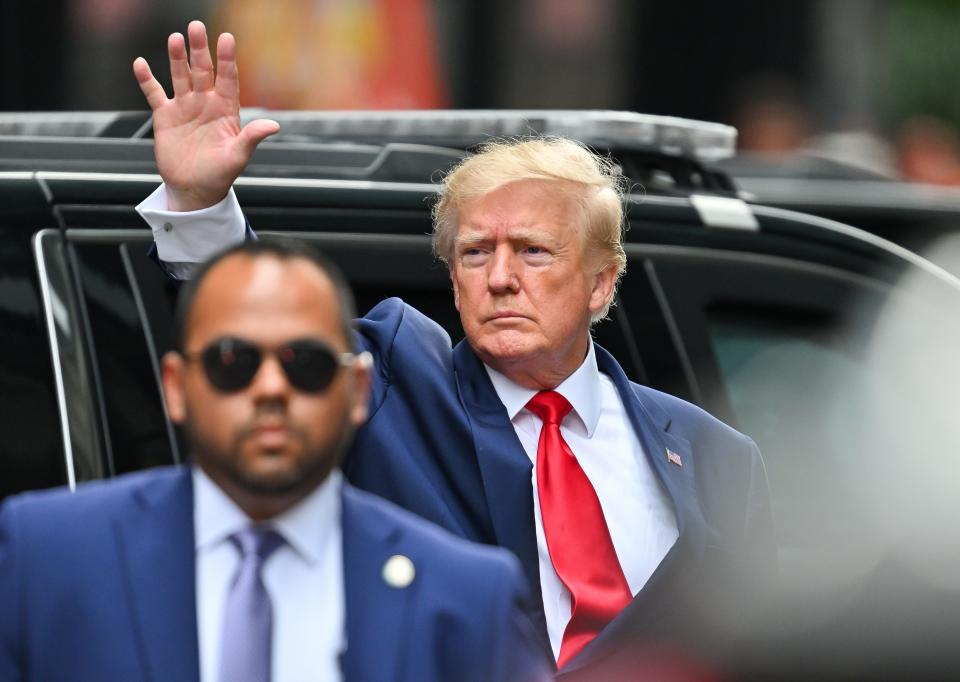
257, 542
550, 406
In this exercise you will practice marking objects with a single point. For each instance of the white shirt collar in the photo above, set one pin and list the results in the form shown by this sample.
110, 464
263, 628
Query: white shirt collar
306, 526
581, 389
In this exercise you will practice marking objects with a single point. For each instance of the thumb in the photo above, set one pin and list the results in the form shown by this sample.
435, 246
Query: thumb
255, 132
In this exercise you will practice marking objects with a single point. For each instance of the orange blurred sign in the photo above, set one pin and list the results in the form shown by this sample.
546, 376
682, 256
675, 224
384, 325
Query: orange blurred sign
334, 54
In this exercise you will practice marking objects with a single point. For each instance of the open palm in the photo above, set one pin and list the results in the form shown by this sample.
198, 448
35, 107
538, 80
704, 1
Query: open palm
198, 142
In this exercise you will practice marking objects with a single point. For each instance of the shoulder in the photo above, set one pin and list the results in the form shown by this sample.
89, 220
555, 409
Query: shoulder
90, 500
432, 544
393, 316
408, 348
693, 421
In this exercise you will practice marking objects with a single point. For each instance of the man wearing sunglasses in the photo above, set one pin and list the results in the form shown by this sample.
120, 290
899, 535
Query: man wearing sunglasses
641, 518
257, 562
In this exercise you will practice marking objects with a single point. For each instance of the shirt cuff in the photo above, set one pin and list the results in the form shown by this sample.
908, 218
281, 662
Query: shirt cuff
192, 236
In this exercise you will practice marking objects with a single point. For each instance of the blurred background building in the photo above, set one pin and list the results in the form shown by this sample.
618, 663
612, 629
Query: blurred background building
871, 82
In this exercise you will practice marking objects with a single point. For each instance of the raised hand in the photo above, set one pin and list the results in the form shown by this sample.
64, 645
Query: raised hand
198, 142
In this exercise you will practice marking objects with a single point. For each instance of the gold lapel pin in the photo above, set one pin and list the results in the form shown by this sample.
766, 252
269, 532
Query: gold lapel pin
399, 571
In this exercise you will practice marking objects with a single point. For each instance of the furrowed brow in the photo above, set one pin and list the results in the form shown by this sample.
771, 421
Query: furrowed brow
516, 236
470, 238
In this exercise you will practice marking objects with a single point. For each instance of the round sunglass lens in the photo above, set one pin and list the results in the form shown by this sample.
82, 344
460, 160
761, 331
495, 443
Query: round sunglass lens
231, 364
309, 366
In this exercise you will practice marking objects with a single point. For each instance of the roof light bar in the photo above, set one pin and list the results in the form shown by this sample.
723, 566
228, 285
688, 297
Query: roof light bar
621, 130
85, 124
605, 130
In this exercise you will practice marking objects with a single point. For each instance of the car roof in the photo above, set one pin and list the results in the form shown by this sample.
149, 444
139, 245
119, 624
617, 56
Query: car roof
60, 168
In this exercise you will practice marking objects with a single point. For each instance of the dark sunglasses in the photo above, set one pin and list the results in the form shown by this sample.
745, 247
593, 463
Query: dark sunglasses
310, 365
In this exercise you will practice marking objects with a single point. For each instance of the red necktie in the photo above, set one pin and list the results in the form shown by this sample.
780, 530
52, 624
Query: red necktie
577, 536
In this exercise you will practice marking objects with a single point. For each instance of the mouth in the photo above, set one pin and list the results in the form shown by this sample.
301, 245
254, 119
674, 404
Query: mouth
271, 436
506, 316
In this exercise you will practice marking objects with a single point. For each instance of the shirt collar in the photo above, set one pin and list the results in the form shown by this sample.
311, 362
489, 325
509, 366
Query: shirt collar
306, 527
581, 389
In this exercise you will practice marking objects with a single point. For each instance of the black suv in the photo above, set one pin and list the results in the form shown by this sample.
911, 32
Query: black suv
833, 348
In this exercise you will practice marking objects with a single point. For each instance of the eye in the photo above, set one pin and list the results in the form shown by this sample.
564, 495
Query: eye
536, 253
473, 255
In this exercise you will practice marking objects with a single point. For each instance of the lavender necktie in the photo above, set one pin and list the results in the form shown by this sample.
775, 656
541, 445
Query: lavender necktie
245, 645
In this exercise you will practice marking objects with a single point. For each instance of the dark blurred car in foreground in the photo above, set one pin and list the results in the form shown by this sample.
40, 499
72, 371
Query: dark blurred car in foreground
833, 348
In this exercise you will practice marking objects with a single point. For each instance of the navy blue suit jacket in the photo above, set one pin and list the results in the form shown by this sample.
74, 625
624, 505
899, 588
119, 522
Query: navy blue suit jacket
439, 443
99, 585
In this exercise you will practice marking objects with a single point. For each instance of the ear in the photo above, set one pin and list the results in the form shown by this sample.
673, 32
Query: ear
602, 290
360, 374
172, 372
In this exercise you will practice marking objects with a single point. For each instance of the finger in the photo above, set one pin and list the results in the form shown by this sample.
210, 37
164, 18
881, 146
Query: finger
254, 133
149, 86
201, 66
228, 82
179, 68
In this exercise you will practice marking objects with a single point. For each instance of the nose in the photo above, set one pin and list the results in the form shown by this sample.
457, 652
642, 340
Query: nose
270, 382
502, 276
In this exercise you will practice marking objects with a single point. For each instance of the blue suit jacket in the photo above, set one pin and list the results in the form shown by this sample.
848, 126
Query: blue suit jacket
99, 586
439, 443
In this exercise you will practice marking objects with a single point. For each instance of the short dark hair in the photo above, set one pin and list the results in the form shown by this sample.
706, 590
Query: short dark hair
276, 247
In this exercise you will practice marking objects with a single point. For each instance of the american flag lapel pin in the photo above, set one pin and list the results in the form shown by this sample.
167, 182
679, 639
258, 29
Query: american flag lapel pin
674, 458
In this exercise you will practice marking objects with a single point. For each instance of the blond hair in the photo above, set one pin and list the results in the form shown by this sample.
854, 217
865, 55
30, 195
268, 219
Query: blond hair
502, 162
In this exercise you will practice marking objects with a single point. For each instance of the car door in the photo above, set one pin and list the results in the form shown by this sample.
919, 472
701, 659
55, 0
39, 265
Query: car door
846, 381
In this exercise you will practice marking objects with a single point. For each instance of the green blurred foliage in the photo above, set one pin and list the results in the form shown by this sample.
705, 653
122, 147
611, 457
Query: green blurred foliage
922, 60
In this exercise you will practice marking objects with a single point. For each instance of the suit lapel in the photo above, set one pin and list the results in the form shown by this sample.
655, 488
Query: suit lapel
654, 609
375, 611
156, 542
504, 467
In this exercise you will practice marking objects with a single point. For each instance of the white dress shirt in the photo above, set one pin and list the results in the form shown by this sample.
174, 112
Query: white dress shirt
304, 578
637, 510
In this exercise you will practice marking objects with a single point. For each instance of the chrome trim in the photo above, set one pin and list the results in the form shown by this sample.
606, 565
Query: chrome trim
105, 235
336, 237
49, 308
98, 177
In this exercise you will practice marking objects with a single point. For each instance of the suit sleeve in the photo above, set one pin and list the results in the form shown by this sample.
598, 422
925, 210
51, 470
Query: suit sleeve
11, 629
392, 323
760, 542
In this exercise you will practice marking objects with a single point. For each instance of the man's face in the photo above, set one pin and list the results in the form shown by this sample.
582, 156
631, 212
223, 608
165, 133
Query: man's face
522, 282
269, 441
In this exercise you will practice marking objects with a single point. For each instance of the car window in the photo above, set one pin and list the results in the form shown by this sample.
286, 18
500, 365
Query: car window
796, 384
31, 448
136, 427
846, 383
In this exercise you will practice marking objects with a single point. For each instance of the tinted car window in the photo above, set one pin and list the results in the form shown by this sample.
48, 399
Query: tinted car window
796, 384
846, 383
136, 427
31, 449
